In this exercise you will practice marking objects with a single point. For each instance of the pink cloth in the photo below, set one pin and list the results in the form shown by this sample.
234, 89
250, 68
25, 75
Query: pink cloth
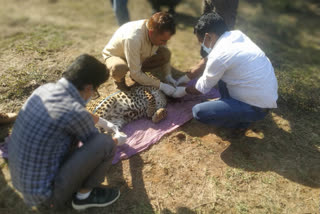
143, 133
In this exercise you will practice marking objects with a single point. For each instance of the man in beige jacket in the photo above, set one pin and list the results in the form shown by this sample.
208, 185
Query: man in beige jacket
138, 47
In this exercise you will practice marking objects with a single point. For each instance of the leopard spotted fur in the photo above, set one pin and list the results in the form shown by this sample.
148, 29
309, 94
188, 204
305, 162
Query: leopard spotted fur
124, 107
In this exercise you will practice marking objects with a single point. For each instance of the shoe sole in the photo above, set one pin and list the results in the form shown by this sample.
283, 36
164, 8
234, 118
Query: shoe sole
83, 207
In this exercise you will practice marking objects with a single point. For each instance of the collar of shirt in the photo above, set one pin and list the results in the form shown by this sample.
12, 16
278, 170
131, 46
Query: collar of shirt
218, 41
146, 32
72, 90
154, 48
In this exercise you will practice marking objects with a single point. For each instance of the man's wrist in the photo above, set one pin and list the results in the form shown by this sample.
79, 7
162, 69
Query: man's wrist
192, 90
115, 140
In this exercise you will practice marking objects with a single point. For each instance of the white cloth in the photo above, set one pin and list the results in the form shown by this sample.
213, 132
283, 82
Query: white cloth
107, 125
245, 69
131, 42
180, 92
121, 138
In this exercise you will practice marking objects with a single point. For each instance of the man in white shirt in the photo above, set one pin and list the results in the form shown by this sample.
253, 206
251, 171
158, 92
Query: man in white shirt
244, 75
139, 46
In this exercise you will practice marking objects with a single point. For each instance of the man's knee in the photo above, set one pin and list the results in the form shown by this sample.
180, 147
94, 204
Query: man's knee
102, 142
197, 113
165, 54
118, 68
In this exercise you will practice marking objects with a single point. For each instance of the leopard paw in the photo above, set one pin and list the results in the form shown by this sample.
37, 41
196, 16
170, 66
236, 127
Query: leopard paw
159, 115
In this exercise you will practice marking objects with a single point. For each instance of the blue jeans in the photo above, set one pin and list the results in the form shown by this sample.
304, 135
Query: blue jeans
227, 112
121, 10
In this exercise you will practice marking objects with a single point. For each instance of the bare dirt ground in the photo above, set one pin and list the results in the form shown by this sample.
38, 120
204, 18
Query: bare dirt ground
273, 168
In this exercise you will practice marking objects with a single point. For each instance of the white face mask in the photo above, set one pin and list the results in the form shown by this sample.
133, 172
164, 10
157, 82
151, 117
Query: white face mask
207, 50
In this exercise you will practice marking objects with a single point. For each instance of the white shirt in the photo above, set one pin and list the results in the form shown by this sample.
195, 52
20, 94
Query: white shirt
245, 69
131, 42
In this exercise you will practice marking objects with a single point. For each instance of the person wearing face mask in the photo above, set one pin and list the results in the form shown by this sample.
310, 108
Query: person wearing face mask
46, 163
243, 73
138, 47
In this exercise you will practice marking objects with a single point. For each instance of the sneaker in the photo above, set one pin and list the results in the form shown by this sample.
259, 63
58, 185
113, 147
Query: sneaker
99, 197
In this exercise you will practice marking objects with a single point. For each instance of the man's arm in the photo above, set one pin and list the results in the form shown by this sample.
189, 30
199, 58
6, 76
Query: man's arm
192, 90
198, 69
119, 137
132, 49
193, 73
182, 91
94, 117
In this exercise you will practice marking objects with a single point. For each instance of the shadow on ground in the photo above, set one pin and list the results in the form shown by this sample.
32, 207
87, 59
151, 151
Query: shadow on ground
11, 202
134, 198
289, 152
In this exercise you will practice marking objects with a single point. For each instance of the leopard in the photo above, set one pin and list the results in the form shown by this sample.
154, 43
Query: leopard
122, 107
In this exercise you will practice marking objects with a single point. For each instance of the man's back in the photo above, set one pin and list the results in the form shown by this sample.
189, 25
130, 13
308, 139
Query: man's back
135, 32
248, 73
52, 118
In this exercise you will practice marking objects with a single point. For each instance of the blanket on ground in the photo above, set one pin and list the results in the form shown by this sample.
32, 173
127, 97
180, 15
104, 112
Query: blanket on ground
143, 133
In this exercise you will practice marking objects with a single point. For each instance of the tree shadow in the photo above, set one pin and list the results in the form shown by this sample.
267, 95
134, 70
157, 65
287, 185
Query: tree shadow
290, 153
287, 153
185, 21
10, 201
290, 40
134, 198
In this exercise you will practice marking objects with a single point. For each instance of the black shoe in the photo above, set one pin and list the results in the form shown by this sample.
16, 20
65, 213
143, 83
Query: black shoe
99, 197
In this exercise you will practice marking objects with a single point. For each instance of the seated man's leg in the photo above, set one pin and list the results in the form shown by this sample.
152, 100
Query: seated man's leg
229, 113
85, 168
118, 69
159, 64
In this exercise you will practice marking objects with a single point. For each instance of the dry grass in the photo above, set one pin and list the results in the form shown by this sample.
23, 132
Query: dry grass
273, 168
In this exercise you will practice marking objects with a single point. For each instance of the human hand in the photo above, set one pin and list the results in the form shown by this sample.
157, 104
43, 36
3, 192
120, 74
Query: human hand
120, 138
106, 125
180, 92
182, 80
167, 89
170, 79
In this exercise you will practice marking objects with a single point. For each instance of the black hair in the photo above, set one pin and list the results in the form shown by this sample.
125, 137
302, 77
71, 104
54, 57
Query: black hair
210, 23
86, 70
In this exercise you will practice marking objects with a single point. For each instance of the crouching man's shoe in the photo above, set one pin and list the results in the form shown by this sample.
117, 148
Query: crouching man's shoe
99, 197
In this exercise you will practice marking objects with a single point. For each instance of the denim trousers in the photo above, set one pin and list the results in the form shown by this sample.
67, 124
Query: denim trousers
227, 112
121, 10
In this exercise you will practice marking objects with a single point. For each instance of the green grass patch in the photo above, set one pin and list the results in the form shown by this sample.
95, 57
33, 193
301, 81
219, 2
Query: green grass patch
20, 84
43, 39
296, 60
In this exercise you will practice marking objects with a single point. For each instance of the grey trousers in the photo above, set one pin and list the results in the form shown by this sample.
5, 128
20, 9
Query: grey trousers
86, 167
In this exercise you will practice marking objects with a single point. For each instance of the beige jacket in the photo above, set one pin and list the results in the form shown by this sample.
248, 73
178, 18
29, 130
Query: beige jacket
131, 42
